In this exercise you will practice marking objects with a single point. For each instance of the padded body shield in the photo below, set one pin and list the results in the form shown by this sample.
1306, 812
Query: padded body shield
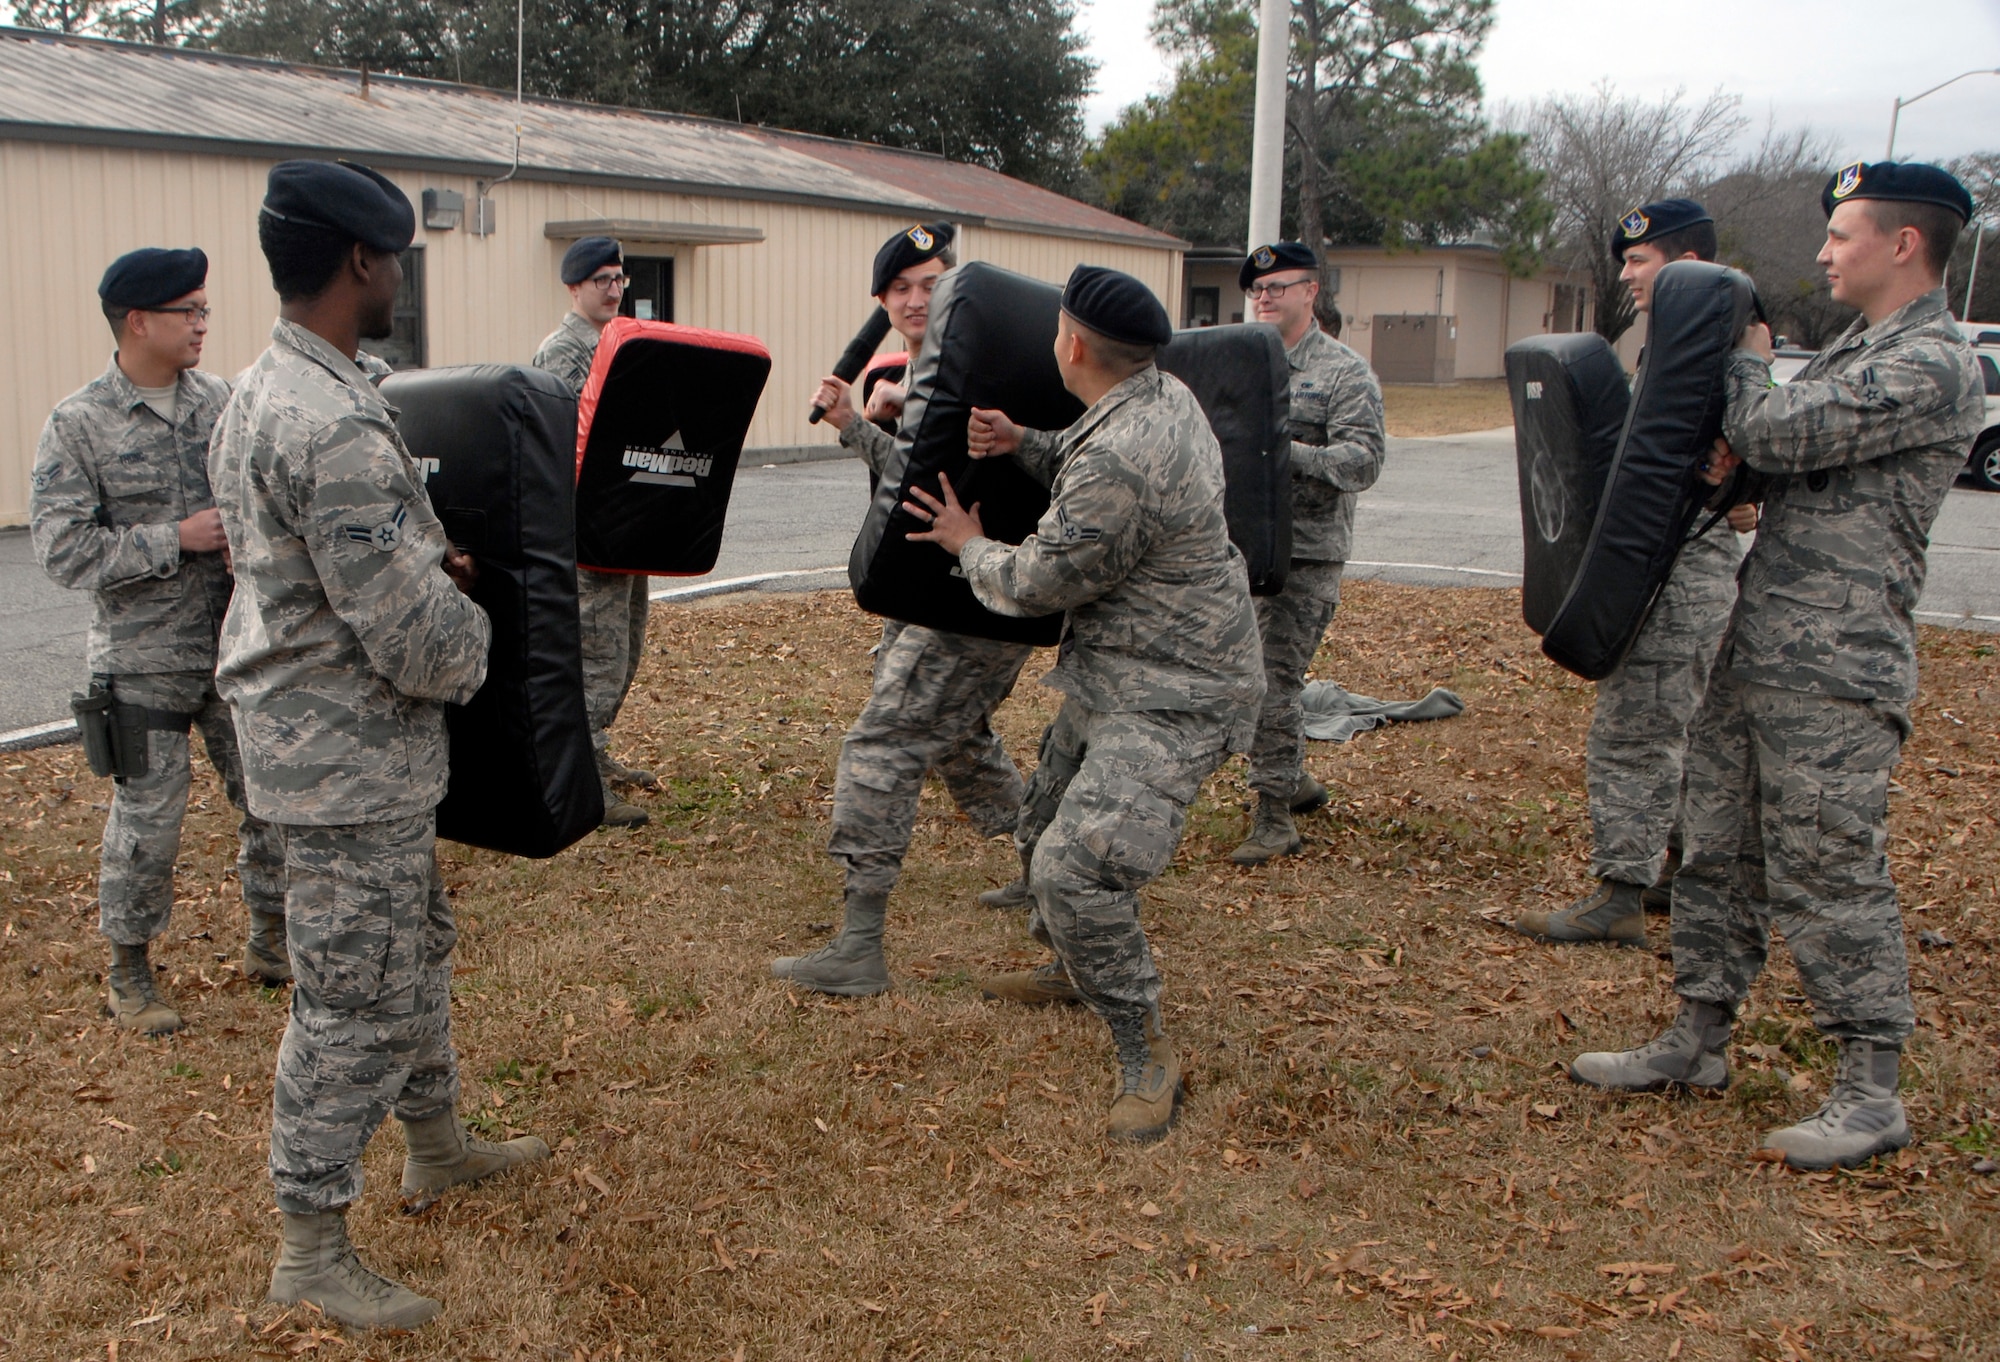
1240, 376
1654, 491
660, 427
1570, 398
990, 342
499, 442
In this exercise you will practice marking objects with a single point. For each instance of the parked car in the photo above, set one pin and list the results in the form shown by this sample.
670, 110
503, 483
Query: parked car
1984, 465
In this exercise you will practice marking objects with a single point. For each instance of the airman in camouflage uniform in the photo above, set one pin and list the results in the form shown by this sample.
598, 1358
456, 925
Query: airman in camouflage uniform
1337, 449
1638, 731
345, 640
931, 705
611, 606
1159, 663
1788, 768
120, 507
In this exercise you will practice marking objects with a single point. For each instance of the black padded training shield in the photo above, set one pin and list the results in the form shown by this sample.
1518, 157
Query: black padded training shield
660, 427
1240, 377
1570, 398
990, 342
1655, 490
499, 445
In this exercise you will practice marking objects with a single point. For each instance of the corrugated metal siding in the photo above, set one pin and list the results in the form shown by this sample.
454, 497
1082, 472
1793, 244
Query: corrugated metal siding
66, 211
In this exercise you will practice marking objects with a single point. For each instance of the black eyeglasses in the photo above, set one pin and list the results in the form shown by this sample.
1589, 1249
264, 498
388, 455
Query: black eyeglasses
611, 280
1275, 291
193, 314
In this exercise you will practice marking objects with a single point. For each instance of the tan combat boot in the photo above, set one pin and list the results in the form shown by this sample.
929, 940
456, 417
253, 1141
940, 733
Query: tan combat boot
1049, 983
1272, 834
135, 1000
1014, 893
266, 957
319, 1267
1307, 796
443, 1154
620, 812
850, 965
1149, 1078
1610, 913
621, 774
1861, 1117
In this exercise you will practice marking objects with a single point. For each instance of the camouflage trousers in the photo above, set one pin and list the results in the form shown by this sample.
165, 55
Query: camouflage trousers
1639, 730
142, 835
931, 708
370, 932
1787, 827
1102, 816
611, 612
1291, 625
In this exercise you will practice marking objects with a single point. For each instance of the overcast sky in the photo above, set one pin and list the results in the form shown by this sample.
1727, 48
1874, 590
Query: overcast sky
1836, 65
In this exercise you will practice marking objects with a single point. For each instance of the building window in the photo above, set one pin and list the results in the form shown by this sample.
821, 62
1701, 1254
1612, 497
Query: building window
1204, 306
404, 347
650, 295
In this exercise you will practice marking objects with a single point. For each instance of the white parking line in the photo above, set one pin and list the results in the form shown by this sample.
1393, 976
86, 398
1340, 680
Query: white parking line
728, 584
1435, 567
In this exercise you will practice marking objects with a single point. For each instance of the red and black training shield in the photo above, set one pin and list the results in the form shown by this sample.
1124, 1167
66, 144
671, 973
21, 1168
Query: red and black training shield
660, 427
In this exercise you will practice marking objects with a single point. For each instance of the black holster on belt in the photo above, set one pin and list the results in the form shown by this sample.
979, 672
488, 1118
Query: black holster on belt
114, 734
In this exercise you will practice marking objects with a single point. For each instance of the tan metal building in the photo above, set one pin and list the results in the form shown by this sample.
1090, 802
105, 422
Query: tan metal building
1430, 316
109, 146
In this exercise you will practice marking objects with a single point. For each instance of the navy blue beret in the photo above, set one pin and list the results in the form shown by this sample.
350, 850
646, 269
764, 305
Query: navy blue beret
911, 246
1116, 305
588, 255
1655, 220
340, 196
1899, 182
1279, 255
150, 276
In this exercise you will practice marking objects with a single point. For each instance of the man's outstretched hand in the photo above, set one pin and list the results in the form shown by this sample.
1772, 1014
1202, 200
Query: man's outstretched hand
988, 434
952, 526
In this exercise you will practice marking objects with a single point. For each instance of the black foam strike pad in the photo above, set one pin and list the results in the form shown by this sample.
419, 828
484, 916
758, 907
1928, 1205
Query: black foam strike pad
1570, 397
660, 427
498, 445
1654, 491
1241, 378
990, 342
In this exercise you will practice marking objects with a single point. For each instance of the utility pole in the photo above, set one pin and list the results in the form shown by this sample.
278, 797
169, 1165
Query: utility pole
1267, 145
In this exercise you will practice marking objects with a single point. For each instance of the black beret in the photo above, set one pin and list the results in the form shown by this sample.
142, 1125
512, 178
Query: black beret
1901, 182
1279, 255
1116, 305
911, 246
1653, 220
340, 196
589, 255
150, 276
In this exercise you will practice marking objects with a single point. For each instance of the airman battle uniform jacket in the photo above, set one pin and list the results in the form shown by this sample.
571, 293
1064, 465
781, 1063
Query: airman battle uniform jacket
1337, 444
112, 482
1134, 546
1830, 587
344, 639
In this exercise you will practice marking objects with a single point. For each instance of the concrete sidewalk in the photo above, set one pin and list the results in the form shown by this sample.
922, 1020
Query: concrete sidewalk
1446, 512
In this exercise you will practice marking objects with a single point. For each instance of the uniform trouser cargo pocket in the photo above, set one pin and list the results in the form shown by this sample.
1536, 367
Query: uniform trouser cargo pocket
356, 905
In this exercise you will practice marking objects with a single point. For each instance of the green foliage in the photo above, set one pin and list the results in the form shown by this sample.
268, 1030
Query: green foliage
1385, 143
999, 84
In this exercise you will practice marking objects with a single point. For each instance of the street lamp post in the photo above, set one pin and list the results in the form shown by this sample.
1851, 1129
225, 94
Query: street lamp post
1972, 274
1896, 112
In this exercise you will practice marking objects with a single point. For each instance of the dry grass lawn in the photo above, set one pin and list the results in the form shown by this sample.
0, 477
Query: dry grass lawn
1468, 405
1381, 1156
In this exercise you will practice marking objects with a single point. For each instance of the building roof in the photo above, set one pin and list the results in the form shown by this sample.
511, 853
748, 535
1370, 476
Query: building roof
60, 88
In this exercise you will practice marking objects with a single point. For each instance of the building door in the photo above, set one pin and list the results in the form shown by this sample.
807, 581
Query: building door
650, 295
